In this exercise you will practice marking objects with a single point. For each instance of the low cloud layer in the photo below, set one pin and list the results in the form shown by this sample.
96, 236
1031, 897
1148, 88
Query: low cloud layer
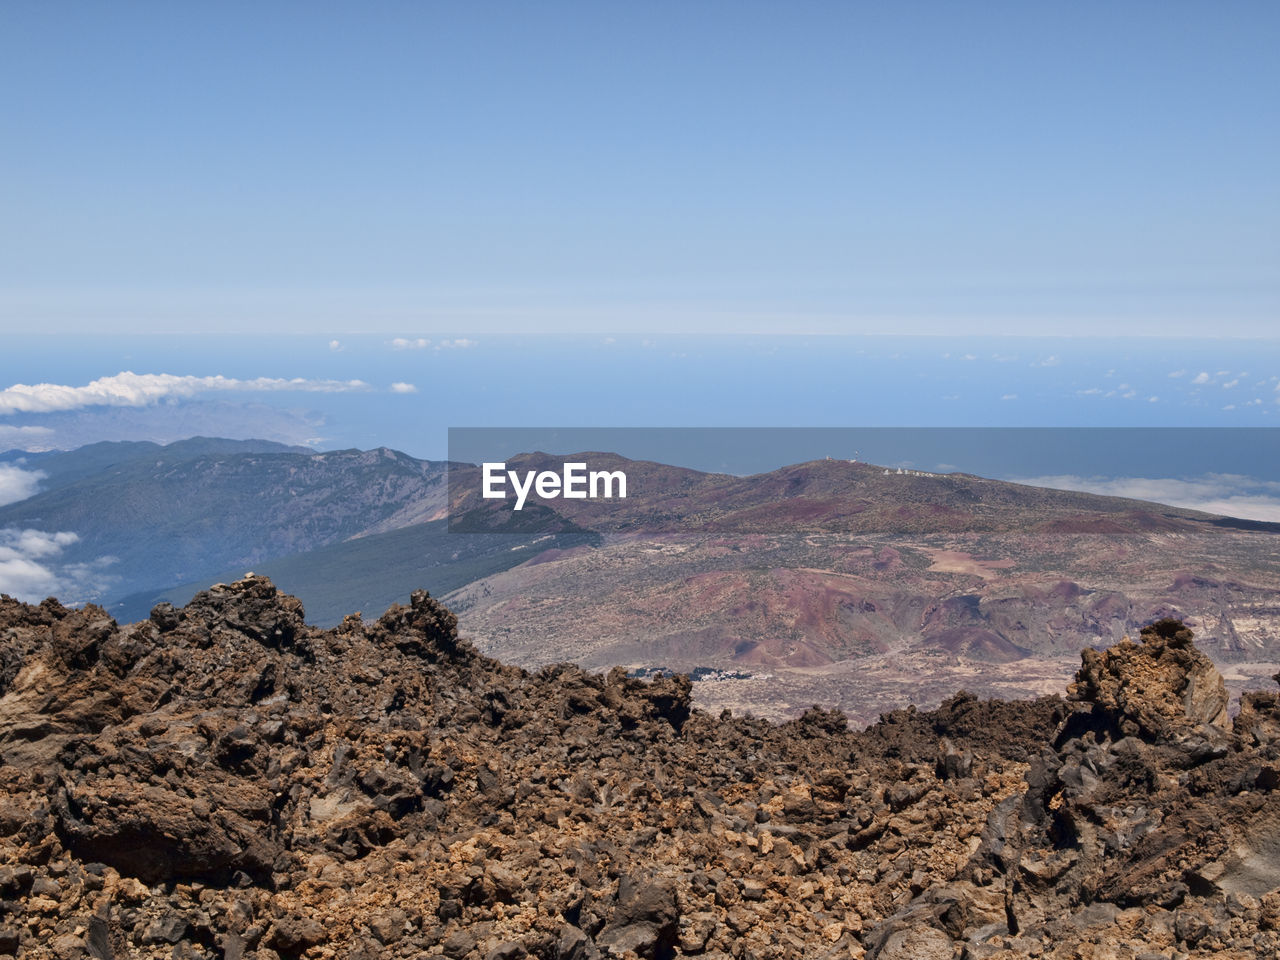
1230, 495
31, 567
236, 417
130, 389
17, 484
21, 438
422, 343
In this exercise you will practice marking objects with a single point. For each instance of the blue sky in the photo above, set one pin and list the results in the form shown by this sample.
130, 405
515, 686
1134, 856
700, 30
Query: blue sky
603, 168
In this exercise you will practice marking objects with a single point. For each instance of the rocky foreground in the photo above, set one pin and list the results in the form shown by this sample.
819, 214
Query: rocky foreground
223, 781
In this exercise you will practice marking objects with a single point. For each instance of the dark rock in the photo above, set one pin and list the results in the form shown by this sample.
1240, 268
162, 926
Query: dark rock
645, 919
168, 928
953, 763
573, 944
292, 934
458, 944
165, 617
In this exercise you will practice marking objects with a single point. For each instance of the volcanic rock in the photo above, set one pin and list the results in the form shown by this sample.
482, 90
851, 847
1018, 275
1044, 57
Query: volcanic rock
225, 781
1157, 688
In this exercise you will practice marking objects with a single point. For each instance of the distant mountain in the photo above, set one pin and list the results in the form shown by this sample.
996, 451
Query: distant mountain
838, 582
61, 467
826, 495
188, 511
842, 582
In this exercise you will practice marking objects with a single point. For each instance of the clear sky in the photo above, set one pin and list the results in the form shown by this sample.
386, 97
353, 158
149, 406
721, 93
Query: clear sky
1091, 168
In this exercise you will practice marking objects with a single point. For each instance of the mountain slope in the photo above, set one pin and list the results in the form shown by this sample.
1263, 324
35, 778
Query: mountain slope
840, 582
372, 572
174, 519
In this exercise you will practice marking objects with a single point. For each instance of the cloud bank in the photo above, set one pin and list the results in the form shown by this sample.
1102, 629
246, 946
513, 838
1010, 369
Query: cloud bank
422, 343
17, 484
130, 389
20, 437
30, 571
1230, 495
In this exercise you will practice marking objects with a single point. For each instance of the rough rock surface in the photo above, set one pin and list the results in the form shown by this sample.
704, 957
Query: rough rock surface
223, 781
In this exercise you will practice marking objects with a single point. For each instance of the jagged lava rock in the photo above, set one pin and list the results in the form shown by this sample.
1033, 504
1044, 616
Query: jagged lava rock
1157, 687
225, 782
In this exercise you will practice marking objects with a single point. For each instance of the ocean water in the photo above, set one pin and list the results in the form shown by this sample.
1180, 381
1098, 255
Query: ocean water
416, 388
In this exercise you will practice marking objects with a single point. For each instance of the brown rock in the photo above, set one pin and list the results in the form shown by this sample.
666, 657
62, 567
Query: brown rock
1163, 685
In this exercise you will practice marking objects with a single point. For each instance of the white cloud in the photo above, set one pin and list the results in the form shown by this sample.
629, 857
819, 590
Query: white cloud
1230, 495
1129, 395
336, 346
1051, 361
130, 389
37, 543
421, 343
400, 387
1010, 396
30, 572
1153, 399
17, 484
1091, 392
1178, 373
1231, 383
970, 356
26, 579
1229, 406
1201, 377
